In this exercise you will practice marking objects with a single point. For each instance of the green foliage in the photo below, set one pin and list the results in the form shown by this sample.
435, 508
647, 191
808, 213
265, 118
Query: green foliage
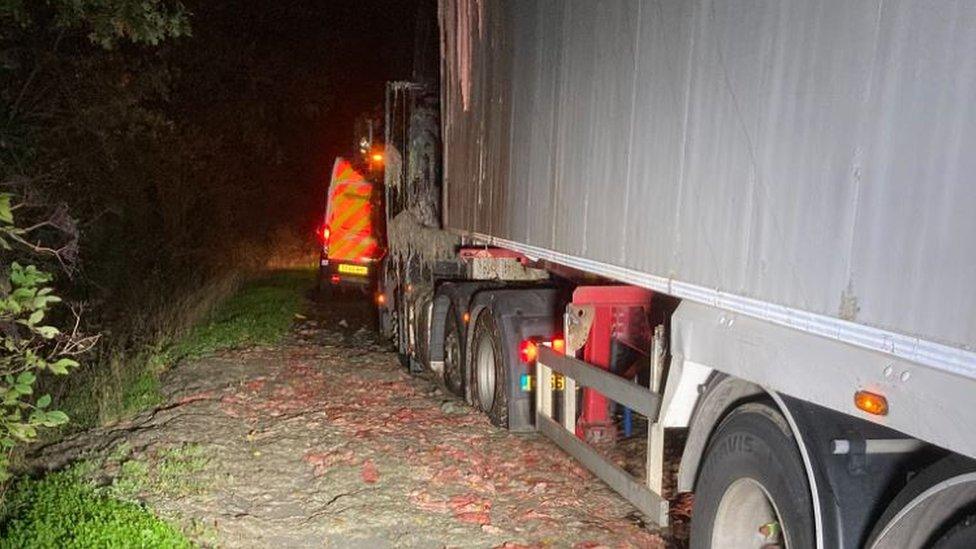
107, 21
173, 472
121, 384
259, 314
64, 510
28, 347
172, 158
144, 391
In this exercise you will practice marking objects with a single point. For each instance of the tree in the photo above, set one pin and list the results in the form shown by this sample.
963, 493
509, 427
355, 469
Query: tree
36, 113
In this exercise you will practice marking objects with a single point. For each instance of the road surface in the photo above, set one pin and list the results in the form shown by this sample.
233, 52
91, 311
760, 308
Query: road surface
326, 441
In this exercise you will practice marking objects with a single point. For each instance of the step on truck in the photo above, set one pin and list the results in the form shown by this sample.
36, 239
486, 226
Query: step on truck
732, 242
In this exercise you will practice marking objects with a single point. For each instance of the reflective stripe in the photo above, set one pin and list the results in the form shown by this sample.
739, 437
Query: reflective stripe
349, 214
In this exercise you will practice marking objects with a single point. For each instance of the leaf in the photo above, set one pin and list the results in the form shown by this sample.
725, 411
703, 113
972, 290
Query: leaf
61, 366
35, 317
56, 417
26, 378
47, 332
44, 401
6, 213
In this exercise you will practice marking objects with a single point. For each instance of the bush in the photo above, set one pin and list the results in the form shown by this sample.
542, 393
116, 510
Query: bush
64, 510
29, 344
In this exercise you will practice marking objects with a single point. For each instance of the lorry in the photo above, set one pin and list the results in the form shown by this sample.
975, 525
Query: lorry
739, 233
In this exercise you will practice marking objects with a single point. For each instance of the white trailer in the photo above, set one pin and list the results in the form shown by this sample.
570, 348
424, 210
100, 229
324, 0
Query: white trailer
794, 183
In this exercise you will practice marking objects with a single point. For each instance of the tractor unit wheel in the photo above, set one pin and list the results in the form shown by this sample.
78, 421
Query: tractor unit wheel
454, 353
489, 375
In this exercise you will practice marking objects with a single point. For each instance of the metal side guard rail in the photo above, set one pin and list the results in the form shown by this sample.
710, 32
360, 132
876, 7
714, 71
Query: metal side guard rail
640, 399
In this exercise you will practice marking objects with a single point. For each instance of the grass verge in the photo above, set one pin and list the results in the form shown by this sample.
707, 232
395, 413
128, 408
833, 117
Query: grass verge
125, 382
173, 472
259, 314
64, 510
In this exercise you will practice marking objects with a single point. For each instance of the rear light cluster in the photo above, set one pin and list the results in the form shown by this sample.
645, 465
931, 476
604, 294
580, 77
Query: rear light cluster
323, 233
528, 351
529, 348
529, 354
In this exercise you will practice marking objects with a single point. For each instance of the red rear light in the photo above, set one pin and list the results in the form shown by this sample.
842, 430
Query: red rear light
528, 351
323, 233
529, 348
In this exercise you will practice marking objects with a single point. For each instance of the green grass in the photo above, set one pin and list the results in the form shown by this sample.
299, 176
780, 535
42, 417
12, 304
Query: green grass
174, 472
126, 381
259, 314
65, 510
124, 384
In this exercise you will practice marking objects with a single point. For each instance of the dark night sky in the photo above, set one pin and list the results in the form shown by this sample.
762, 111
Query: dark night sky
360, 45
332, 57
366, 44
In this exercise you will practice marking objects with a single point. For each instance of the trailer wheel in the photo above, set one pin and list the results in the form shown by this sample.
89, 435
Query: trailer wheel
934, 509
752, 489
489, 377
453, 353
961, 536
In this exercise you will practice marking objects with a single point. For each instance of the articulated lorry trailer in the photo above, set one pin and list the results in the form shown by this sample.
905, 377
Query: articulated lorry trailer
740, 231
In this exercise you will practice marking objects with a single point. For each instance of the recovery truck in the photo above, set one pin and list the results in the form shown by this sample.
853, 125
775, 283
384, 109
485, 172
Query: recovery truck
744, 227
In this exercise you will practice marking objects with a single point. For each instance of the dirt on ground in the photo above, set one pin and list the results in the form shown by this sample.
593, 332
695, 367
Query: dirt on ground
326, 441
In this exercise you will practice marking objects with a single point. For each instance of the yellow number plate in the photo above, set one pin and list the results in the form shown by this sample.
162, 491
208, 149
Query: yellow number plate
353, 269
557, 382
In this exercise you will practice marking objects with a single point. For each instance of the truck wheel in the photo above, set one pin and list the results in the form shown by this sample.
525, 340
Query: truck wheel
752, 490
961, 536
934, 509
453, 353
489, 377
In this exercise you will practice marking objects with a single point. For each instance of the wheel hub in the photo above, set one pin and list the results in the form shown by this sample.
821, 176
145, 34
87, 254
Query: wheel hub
485, 372
747, 517
452, 352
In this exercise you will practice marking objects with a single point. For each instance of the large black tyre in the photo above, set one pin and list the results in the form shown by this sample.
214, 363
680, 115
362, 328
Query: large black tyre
931, 523
961, 536
454, 352
489, 374
752, 475
398, 321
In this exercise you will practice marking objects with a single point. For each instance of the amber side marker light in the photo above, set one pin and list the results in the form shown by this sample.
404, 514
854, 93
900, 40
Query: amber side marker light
559, 345
872, 403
